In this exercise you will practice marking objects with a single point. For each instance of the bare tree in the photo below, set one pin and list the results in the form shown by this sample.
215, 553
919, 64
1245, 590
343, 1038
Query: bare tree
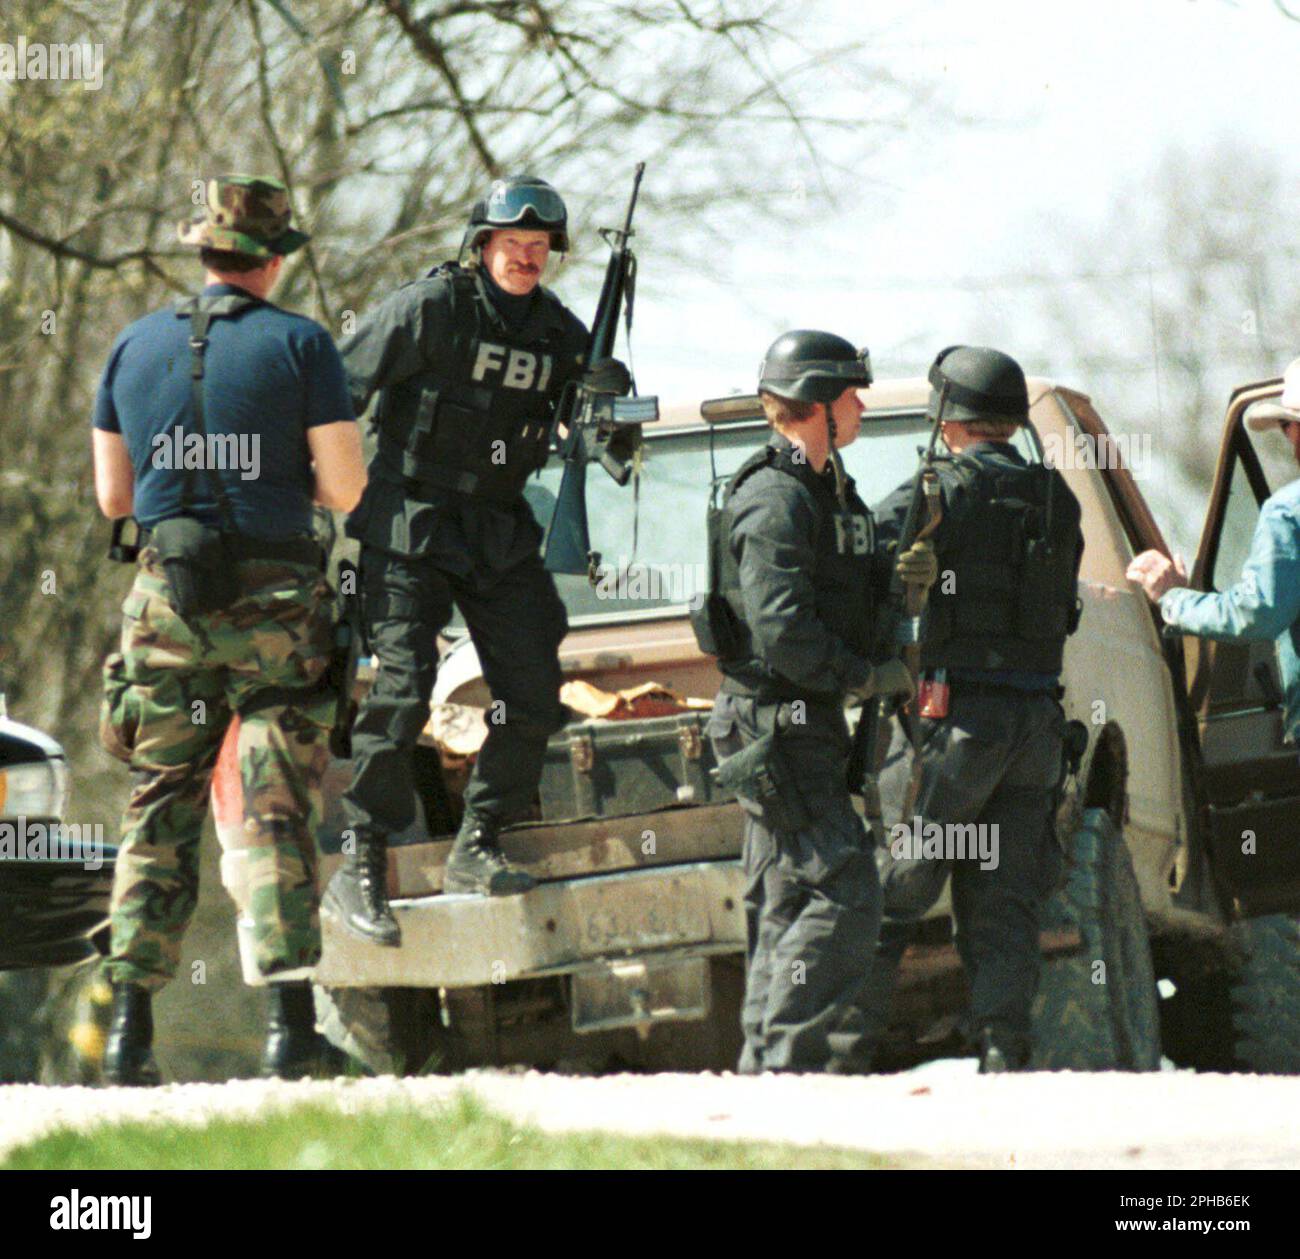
1190, 287
386, 118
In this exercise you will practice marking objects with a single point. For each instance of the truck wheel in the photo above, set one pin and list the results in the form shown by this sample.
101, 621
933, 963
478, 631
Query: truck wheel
1265, 995
390, 1031
1097, 1008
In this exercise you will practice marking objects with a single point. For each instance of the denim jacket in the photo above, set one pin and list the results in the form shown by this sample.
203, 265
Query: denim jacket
1264, 603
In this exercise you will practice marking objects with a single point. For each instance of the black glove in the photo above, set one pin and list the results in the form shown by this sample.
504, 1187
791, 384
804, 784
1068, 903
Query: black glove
625, 441
608, 375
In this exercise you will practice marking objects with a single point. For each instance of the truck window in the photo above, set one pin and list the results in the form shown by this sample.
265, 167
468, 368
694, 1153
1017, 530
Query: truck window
660, 561
889, 450
1252, 481
667, 567
1240, 516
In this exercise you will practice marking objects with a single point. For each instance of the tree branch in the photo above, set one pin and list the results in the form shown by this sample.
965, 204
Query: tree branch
440, 107
61, 249
286, 172
723, 27
432, 51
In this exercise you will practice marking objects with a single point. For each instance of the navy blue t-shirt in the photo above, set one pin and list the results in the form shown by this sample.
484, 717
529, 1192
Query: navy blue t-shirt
269, 376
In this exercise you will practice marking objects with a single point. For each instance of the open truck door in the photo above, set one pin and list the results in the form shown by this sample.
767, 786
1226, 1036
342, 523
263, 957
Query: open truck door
1250, 778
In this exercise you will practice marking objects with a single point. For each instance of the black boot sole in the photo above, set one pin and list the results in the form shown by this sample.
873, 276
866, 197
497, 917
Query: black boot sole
474, 887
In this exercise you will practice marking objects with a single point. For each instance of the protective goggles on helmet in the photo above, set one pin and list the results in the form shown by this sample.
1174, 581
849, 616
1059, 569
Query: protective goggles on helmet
512, 203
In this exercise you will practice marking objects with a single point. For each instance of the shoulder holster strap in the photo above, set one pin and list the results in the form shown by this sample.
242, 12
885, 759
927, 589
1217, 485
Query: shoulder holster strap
201, 312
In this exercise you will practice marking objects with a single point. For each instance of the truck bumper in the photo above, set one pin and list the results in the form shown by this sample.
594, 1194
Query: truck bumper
559, 927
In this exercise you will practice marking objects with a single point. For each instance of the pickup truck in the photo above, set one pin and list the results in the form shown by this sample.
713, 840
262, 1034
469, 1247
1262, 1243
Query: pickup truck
1174, 931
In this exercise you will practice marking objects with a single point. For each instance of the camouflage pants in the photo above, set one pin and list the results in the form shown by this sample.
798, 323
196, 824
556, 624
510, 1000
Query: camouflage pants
169, 696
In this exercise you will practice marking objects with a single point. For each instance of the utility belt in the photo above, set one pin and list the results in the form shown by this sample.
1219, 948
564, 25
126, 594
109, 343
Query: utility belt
935, 687
200, 562
974, 686
299, 550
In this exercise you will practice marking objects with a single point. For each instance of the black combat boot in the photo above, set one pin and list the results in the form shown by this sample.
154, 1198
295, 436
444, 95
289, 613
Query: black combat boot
128, 1054
476, 865
294, 1049
358, 894
1001, 1052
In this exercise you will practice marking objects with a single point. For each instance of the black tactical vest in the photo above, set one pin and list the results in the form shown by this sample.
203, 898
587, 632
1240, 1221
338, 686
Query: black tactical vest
479, 424
1007, 595
841, 576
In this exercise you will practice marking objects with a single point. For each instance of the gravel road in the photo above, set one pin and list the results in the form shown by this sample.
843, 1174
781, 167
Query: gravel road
942, 1113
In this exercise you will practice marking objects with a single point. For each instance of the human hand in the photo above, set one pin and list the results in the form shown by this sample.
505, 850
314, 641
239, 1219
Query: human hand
1157, 573
918, 565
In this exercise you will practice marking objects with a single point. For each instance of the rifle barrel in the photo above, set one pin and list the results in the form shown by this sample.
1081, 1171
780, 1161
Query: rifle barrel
631, 205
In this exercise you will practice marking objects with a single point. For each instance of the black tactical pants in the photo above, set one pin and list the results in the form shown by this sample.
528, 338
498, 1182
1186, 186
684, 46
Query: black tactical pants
812, 902
991, 769
516, 620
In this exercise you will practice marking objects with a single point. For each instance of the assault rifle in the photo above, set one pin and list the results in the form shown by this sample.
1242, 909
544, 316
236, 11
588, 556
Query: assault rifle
903, 624
599, 425
342, 672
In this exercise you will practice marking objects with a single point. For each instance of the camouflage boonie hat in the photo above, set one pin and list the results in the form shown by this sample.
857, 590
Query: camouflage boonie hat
244, 214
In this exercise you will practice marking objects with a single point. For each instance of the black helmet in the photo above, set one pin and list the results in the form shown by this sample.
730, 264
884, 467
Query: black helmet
976, 383
813, 367
522, 201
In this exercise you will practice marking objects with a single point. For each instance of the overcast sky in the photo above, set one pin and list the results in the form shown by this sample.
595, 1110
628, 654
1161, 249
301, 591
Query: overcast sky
1056, 110
1072, 100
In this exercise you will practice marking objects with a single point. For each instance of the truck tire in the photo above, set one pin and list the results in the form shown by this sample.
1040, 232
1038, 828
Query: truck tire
1264, 990
390, 1031
1097, 1008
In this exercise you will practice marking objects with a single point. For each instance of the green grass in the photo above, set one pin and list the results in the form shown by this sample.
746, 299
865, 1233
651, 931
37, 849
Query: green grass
464, 1134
